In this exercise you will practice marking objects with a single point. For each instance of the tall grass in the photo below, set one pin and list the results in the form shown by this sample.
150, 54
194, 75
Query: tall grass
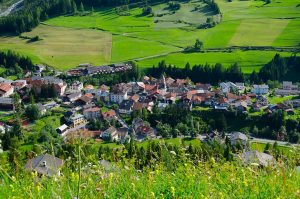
184, 178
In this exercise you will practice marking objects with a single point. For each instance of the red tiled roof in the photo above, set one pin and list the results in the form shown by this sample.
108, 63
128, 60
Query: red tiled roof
135, 97
138, 106
169, 95
89, 95
18, 84
89, 87
5, 87
223, 100
149, 87
94, 109
181, 81
110, 113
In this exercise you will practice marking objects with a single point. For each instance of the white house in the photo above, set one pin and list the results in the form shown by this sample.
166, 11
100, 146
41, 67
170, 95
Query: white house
92, 113
227, 87
110, 132
77, 120
118, 97
260, 89
238, 137
287, 89
47, 165
76, 86
255, 157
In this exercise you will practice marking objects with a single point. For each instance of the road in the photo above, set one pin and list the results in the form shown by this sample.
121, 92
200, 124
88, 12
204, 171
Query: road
280, 143
124, 124
12, 8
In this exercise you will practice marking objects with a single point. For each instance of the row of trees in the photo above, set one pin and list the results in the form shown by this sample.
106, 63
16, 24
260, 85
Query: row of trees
277, 69
12, 60
200, 73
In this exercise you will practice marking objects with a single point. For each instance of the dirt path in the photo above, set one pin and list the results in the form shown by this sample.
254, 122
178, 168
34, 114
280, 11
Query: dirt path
12, 8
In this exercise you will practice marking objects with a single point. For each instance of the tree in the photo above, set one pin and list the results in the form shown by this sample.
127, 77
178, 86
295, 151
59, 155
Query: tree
6, 140
74, 7
267, 148
14, 155
147, 10
164, 130
33, 112
198, 45
228, 153
17, 104
222, 123
182, 128
81, 8
16, 130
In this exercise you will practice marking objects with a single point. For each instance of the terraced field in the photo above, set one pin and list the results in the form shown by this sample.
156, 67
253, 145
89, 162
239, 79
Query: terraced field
149, 39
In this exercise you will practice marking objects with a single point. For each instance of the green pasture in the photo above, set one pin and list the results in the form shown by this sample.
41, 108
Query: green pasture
279, 99
105, 37
248, 60
138, 48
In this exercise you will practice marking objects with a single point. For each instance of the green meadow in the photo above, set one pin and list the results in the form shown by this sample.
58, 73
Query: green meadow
105, 37
249, 60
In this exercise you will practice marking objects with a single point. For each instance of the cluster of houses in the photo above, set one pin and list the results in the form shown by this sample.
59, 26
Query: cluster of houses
81, 100
162, 92
88, 69
50, 166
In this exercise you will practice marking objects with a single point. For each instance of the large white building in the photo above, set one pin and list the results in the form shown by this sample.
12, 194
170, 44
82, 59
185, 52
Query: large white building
287, 89
260, 89
227, 87
118, 97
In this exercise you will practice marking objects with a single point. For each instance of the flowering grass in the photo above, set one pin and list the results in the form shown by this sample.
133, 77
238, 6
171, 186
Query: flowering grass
202, 180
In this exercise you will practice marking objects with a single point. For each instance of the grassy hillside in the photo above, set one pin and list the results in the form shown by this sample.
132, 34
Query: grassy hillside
135, 37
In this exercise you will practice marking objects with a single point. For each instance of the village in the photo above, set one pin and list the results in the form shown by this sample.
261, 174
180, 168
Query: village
114, 113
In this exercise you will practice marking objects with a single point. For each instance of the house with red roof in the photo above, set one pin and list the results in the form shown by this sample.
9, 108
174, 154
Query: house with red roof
6, 90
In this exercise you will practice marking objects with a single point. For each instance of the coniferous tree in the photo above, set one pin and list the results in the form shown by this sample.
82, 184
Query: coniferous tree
81, 8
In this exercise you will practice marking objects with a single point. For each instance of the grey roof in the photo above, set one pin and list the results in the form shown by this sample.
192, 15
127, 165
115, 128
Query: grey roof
41, 106
262, 159
6, 100
74, 95
119, 65
76, 116
45, 164
122, 132
126, 104
238, 136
